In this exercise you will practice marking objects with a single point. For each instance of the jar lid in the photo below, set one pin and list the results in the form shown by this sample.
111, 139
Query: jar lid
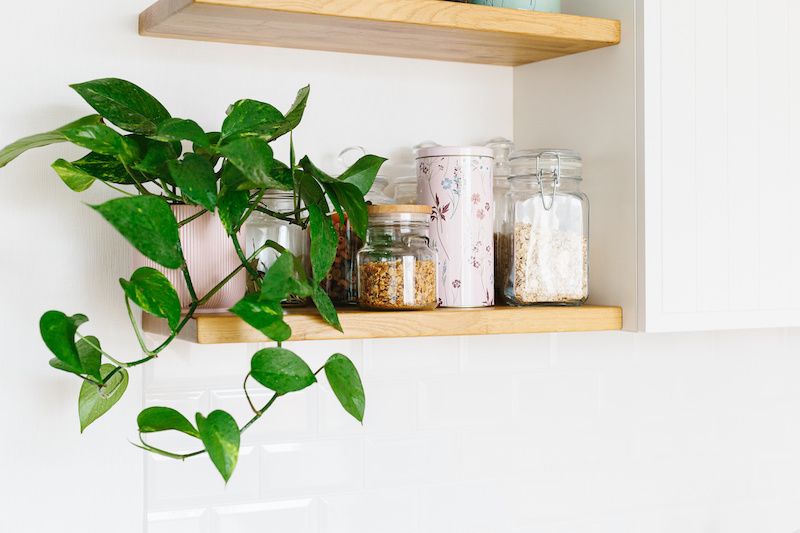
530, 162
444, 151
385, 209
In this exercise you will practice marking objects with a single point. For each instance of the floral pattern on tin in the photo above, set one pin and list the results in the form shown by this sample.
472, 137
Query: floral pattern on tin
460, 191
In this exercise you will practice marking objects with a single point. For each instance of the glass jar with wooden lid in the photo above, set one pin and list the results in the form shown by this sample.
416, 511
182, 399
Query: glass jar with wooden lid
397, 266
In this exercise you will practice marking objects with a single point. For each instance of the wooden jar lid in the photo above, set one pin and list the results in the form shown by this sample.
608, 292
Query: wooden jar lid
384, 209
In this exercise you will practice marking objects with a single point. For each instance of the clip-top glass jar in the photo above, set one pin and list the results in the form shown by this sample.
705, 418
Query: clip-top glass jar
397, 267
261, 227
548, 229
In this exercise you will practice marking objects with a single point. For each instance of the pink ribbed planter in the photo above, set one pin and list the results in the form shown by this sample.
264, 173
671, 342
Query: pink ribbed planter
210, 257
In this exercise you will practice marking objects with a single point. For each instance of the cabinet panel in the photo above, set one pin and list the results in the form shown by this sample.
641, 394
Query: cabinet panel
720, 125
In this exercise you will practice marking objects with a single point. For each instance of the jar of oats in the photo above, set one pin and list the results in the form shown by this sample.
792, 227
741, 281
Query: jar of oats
397, 266
547, 232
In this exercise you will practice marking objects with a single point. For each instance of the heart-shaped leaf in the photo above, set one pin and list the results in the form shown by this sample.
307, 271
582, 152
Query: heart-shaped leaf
324, 241
251, 118
253, 157
74, 178
294, 115
89, 354
152, 291
281, 370
15, 149
220, 435
265, 316
155, 419
105, 168
157, 155
148, 224
346, 384
103, 140
362, 173
232, 203
325, 307
275, 285
195, 176
94, 401
58, 332
124, 104
178, 129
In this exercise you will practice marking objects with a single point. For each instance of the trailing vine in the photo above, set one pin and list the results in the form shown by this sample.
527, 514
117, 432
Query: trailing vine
155, 161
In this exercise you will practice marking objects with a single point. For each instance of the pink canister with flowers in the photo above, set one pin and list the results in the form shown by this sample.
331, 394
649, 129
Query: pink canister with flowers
457, 183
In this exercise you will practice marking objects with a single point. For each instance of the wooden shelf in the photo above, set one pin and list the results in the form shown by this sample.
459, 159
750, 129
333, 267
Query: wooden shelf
428, 29
307, 325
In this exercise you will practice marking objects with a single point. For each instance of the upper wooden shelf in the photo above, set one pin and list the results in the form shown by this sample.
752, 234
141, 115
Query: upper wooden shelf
427, 29
307, 325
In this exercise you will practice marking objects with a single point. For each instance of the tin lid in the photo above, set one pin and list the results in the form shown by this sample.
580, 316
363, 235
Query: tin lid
444, 151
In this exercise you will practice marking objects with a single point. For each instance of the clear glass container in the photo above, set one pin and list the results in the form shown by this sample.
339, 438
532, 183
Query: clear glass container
261, 227
405, 189
502, 149
548, 230
397, 266
341, 283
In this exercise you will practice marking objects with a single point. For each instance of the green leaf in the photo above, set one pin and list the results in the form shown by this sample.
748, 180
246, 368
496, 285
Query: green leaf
89, 357
58, 332
324, 241
152, 291
124, 104
220, 435
251, 118
311, 191
265, 316
103, 140
295, 113
148, 224
346, 384
196, 179
74, 178
275, 285
179, 129
326, 308
105, 168
362, 173
281, 370
253, 157
282, 174
94, 401
354, 205
156, 156
155, 419
15, 149
232, 203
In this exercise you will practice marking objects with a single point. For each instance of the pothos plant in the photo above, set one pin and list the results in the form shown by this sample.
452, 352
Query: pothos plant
153, 160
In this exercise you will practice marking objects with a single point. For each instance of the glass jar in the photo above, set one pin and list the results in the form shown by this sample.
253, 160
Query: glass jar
502, 149
341, 283
261, 227
397, 267
548, 230
405, 189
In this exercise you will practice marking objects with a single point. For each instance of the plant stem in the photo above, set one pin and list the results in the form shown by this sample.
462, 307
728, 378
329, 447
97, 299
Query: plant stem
249, 211
188, 278
238, 247
247, 395
189, 219
136, 327
123, 191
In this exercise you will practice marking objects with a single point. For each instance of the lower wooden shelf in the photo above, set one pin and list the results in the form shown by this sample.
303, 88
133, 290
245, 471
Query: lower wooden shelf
357, 324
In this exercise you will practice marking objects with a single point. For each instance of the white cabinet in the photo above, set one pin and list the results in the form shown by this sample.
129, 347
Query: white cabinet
688, 130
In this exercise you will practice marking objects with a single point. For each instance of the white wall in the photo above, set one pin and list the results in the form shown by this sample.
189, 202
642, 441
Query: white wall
603, 433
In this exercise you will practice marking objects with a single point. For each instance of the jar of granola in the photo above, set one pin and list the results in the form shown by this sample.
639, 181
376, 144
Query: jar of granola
547, 230
397, 266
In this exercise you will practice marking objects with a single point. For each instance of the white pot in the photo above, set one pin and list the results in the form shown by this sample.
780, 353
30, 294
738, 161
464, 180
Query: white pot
210, 257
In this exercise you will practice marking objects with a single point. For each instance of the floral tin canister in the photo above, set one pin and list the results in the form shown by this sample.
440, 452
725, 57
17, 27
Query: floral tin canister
457, 183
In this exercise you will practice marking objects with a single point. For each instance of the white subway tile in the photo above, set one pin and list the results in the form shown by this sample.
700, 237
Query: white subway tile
382, 510
465, 401
391, 406
171, 483
551, 401
415, 459
179, 521
412, 357
193, 365
323, 465
291, 417
597, 350
290, 516
505, 354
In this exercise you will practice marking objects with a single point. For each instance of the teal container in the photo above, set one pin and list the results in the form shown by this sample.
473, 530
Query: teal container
552, 6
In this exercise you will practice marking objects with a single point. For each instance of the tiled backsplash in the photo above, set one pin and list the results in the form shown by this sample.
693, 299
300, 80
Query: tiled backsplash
562, 433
